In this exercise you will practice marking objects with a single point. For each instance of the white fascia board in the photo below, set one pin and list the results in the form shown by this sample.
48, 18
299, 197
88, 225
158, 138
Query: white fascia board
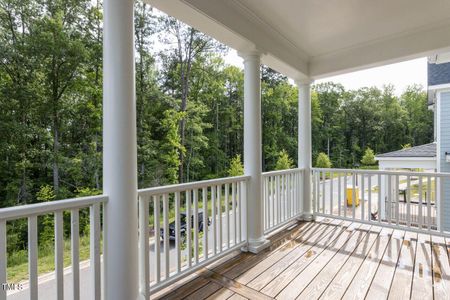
407, 164
440, 87
405, 158
390, 50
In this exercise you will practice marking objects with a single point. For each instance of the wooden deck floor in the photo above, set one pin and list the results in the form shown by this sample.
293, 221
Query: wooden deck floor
331, 259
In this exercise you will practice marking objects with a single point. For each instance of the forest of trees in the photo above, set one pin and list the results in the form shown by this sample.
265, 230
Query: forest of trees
189, 105
189, 110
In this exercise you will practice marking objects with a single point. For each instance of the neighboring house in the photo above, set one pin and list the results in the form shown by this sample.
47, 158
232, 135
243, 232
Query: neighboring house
430, 157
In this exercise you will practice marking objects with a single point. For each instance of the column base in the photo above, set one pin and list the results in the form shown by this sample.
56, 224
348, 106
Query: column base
257, 246
308, 217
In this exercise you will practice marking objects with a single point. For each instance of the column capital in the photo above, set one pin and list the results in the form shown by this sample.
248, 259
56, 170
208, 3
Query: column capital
304, 81
250, 54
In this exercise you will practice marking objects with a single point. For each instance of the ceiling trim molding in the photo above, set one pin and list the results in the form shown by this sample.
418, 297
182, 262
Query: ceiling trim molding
397, 48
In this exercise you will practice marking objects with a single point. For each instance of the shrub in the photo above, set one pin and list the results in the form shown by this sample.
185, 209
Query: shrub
236, 166
369, 157
323, 161
284, 161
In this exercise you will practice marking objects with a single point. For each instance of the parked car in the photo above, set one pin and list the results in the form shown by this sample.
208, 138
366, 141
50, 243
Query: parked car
183, 226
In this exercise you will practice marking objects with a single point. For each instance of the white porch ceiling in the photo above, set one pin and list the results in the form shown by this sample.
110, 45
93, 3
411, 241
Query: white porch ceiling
319, 38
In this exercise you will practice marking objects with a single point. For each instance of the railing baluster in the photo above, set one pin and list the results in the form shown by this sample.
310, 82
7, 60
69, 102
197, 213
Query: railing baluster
144, 275
213, 218
156, 209
345, 195
32, 257
178, 230
314, 176
323, 191
397, 204
331, 192
243, 193
369, 204
278, 206
196, 254
2, 258
75, 243
272, 195
205, 222
437, 204
379, 199
420, 203
429, 201
233, 204
362, 197
240, 212
266, 203
59, 255
219, 213
389, 200
95, 250
227, 213
339, 194
166, 235
289, 197
353, 194
408, 201
188, 228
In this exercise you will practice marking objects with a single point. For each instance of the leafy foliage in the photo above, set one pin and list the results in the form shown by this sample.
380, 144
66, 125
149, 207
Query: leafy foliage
323, 161
368, 158
236, 167
284, 161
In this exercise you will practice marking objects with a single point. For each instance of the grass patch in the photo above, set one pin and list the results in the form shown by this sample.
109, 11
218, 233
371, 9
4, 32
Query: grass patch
18, 271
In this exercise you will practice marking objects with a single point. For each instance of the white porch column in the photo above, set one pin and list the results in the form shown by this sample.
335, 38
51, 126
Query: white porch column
304, 144
252, 151
119, 152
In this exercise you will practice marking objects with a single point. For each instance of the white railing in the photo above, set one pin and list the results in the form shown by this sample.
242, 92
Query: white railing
386, 198
215, 210
32, 212
282, 192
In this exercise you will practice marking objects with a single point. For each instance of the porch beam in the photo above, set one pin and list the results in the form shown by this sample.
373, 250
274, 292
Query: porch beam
253, 151
119, 152
304, 144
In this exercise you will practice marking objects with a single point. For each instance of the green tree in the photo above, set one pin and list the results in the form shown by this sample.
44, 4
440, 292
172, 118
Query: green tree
369, 157
284, 161
323, 161
236, 166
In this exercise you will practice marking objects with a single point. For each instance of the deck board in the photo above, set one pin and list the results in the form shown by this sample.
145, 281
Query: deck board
330, 259
339, 284
296, 286
381, 283
316, 287
278, 266
422, 280
401, 284
441, 268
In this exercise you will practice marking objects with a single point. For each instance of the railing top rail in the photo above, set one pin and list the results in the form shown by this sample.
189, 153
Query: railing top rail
190, 185
383, 172
23, 211
282, 172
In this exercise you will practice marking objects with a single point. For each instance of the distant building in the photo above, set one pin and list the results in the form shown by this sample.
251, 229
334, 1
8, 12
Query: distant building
430, 157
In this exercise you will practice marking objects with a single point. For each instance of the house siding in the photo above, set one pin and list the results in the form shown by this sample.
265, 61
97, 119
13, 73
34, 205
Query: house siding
444, 139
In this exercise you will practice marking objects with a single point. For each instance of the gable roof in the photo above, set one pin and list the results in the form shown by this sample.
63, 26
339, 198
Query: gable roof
427, 150
438, 73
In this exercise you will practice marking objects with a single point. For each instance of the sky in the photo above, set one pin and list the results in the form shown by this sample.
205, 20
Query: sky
400, 74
